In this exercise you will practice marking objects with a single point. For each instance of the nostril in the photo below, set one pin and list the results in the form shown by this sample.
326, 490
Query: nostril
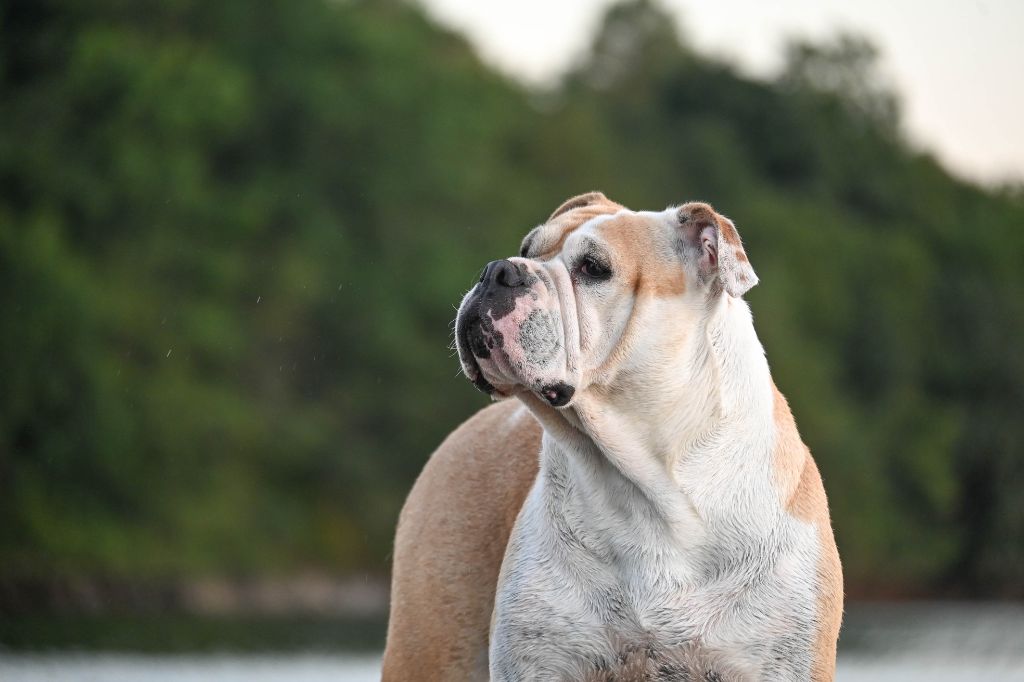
508, 275
503, 273
490, 272
503, 277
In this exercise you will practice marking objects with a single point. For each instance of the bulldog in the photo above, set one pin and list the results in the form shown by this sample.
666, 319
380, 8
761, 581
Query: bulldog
645, 509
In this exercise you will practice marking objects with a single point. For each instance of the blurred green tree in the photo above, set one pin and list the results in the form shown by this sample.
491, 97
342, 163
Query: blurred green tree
232, 236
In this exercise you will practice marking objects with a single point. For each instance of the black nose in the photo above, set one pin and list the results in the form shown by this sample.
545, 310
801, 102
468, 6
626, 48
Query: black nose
503, 273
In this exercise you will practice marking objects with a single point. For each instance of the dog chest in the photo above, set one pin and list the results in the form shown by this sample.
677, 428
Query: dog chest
573, 605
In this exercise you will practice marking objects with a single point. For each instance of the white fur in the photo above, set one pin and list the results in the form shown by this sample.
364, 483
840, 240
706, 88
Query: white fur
655, 517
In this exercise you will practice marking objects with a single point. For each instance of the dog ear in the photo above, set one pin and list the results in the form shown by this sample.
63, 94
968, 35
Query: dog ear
720, 248
578, 202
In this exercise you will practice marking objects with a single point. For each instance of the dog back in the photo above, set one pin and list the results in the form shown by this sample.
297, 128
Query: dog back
450, 543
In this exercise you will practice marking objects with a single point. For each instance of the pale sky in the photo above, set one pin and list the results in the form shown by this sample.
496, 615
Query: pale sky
958, 65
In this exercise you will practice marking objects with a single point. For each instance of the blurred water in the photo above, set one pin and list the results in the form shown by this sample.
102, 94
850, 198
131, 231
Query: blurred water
328, 668
62, 667
939, 642
880, 643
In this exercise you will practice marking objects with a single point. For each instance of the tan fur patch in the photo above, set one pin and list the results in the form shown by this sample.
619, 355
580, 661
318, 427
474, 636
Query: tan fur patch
450, 543
803, 496
702, 214
565, 221
631, 237
578, 202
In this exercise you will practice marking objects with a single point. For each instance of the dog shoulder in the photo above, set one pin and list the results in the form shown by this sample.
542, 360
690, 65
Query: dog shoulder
450, 543
803, 497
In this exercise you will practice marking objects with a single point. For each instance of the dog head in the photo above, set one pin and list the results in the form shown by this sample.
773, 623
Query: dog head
597, 290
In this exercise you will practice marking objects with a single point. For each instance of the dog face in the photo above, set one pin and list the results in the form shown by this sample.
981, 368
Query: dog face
596, 291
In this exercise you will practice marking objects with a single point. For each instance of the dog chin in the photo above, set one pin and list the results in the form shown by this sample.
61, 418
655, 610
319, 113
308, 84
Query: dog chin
487, 364
494, 377
555, 393
483, 379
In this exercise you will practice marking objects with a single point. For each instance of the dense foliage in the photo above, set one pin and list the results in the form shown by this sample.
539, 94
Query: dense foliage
232, 236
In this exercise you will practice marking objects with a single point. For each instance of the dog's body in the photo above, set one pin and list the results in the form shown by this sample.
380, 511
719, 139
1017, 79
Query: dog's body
450, 542
676, 528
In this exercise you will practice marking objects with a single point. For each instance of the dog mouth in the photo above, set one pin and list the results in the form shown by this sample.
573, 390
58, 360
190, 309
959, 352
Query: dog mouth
496, 370
475, 338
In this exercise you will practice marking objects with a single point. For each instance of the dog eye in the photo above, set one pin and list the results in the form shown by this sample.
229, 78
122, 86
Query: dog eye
593, 269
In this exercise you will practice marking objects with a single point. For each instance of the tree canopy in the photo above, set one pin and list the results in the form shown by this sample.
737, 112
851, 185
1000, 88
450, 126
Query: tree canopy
232, 236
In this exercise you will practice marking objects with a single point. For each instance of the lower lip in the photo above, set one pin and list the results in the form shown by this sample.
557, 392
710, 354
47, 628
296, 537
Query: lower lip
477, 376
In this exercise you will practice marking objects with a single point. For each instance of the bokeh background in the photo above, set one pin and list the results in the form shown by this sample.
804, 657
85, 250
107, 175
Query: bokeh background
232, 236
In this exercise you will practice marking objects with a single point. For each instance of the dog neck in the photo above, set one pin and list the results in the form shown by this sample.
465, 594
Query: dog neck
691, 438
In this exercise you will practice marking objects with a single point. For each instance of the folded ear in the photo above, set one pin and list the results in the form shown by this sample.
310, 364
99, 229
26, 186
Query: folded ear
579, 202
721, 253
